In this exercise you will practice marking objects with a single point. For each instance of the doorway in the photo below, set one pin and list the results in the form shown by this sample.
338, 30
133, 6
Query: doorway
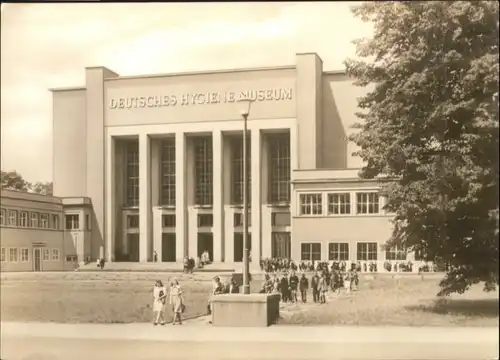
206, 242
37, 259
168, 247
281, 245
133, 247
238, 246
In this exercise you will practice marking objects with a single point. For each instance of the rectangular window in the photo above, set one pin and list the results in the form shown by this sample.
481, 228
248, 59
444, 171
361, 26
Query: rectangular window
12, 218
367, 203
311, 204
237, 170
55, 222
132, 173
205, 220
2, 255
25, 255
13, 255
168, 172
88, 222
23, 219
203, 170
132, 221
55, 254
338, 251
281, 244
339, 204
281, 219
168, 220
2, 216
33, 220
310, 251
44, 221
395, 253
279, 169
72, 221
46, 255
366, 251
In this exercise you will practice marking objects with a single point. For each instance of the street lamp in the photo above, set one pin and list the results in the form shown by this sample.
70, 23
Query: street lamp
245, 111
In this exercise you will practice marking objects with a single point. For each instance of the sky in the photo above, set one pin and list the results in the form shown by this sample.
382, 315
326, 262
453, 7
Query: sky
49, 45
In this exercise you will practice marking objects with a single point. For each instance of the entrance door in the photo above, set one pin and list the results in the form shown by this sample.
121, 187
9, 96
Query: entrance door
281, 245
206, 242
168, 247
238, 246
37, 259
133, 247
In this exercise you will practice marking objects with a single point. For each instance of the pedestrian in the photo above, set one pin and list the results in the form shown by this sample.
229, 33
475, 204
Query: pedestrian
177, 301
155, 256
159, 297
314, 286
322, 289
303, 286
285, 290
293, 283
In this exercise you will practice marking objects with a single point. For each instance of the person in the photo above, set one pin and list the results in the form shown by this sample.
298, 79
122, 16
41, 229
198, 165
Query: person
102, 264
159, 296
217, 289
303, 286
314, 286
232, 287
347, 282
155, 256
176, 301
322, 288
267, 285
285, 290
293, 282
185, 264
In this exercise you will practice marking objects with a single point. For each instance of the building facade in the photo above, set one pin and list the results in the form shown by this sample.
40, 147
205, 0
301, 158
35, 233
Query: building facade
160, 158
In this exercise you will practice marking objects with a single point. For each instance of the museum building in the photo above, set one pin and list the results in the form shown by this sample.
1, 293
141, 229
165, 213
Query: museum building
160, 158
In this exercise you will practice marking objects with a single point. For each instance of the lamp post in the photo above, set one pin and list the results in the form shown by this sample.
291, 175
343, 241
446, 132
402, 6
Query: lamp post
245, 111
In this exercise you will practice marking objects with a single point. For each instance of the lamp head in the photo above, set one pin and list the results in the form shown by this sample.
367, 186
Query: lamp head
245, 107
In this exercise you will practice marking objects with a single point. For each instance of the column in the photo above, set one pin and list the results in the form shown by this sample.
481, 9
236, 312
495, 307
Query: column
155, 197
145, 213
266, 235
256, 144
180, 196
110, 199
218, 194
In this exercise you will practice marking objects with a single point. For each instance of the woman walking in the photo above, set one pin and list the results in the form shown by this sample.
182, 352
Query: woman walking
159, 297
177, 301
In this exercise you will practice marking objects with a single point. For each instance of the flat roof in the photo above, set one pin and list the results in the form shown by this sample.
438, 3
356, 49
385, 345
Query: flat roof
23, 195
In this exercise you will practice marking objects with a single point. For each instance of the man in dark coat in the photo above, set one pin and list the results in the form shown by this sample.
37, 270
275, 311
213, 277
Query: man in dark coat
285, 291
314, 286
293, 283
303, 286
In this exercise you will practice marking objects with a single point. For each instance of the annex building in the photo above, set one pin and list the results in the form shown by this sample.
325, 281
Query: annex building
159, 160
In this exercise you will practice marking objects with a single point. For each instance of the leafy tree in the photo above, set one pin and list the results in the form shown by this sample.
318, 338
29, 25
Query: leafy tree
43, 188
14, 181
431, 123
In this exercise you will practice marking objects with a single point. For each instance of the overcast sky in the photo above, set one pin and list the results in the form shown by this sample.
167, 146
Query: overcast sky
49, 45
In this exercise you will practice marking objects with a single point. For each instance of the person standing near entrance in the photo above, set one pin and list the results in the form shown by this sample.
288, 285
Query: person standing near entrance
304, 286
159, 297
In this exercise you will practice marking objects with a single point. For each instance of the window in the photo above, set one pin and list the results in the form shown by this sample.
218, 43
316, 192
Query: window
55, 222
23, 219
55, 254
310, 251
281, 245
2, 217
132, 221
13, 255
339, 204
12, 218
367, 251
34, 220
71, 258
46, 255
238, 219
24, 255
311, 204
168, 172
279, 168
367, 203
2, 255
395, 253
205, 220
168, 220
338, 251
132, 173
44, 221
88, 222
237, 169
72, 221
203, 171
281, 219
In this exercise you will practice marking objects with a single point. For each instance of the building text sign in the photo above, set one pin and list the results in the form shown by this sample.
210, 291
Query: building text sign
276, 94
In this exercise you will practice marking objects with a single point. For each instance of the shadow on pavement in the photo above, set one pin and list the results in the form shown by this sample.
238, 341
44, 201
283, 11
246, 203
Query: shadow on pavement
468, 307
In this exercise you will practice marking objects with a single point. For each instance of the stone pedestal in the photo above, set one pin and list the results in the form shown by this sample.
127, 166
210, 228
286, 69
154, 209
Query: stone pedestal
252, 310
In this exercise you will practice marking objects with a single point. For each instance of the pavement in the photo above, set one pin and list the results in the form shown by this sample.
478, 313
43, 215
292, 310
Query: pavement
49, 341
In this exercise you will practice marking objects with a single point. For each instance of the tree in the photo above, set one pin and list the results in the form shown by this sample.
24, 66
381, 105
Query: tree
431, 122
14, 181
43, 188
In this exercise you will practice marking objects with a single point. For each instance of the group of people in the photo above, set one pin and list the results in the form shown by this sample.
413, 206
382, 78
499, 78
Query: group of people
288, 285
190, 264
176, 301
